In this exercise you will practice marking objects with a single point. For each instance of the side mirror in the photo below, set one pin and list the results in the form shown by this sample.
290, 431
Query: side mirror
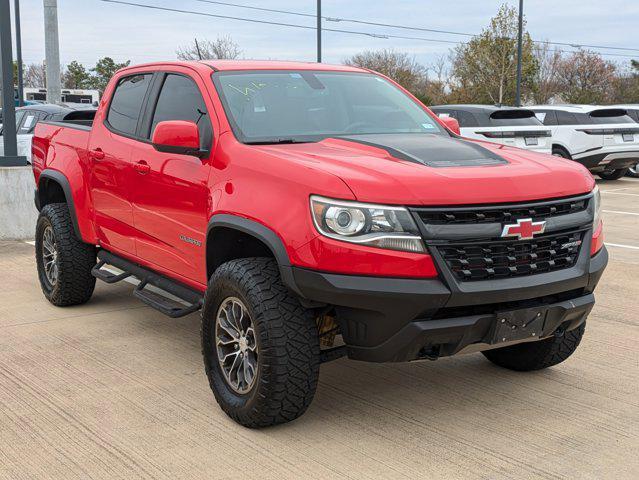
451, 123
177, 136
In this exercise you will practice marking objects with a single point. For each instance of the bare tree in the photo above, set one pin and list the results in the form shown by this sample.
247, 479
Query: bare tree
223, 47
35, 76
585, 77
546, 81
399, 66
438, 86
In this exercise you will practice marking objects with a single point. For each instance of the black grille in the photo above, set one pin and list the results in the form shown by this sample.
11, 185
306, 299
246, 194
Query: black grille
502, 214
485, 260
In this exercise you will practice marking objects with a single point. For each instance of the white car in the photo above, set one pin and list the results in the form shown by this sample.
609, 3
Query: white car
27, 117
516, 127
633, 112
603, 139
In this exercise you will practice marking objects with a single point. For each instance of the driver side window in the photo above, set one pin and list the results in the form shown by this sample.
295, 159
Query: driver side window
180, 99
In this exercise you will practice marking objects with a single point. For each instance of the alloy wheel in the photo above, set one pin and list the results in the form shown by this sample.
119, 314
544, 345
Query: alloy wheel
50, 256
236, 345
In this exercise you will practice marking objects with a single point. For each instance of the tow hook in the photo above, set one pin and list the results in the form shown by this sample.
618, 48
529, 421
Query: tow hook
560, 332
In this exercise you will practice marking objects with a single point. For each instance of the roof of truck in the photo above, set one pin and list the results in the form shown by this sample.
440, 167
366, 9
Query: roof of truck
230, 65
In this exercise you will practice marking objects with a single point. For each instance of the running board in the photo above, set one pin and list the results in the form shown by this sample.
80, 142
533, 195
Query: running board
161, 303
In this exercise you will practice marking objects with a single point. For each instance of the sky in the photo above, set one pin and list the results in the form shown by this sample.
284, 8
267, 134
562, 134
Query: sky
90, 29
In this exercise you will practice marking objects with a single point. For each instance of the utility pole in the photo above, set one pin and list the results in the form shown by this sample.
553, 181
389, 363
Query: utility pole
16, 13
52, 51
319, 31
519, 51
10, 158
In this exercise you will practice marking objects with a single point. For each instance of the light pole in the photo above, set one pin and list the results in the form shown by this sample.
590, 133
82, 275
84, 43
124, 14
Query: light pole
52, 51
319, 31
16, 13
10, 157
519, 49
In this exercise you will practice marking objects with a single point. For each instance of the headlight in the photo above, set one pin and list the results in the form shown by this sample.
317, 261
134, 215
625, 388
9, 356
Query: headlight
378, 226
596, 199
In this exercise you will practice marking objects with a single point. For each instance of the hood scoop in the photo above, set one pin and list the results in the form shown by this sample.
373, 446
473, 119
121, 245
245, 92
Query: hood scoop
435, 151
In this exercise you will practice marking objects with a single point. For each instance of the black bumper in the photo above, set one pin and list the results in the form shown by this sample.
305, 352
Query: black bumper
599, 162
395, 320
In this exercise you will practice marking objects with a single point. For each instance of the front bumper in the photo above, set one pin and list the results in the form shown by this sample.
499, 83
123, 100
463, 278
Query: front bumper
395, 320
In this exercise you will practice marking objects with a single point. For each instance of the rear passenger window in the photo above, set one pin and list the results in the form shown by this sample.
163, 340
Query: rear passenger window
566, 118
180, 99
466, 119
126, 103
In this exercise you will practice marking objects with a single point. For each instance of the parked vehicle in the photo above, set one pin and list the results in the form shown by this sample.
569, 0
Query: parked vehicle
294, 203
633, 112
67, 95
515, 127
28, 117
604, 139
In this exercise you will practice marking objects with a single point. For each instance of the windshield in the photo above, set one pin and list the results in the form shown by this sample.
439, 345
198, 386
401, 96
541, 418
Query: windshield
298, 106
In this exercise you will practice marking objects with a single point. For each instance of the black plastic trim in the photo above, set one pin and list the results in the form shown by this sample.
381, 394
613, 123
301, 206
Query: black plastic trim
262, 233
66, 189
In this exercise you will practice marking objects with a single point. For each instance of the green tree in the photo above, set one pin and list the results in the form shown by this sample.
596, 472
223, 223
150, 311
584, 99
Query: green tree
484, 70
103, 71
76, 76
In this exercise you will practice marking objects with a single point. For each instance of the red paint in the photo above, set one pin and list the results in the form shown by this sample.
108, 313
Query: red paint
597, 239
177, 133
452, 124
138, 201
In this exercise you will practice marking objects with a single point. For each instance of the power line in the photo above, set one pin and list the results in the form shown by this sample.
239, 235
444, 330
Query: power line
405, 27
307, 27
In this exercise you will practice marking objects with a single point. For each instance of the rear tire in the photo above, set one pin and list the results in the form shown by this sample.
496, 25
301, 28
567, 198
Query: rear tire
64, 261
560, 152
538, 355
613, 174
283, 344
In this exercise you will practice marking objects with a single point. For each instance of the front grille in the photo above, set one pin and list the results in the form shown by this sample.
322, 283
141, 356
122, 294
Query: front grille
501, 214
484, 260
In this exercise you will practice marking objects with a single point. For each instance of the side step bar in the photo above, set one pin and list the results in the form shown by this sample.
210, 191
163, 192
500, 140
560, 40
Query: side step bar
165, 305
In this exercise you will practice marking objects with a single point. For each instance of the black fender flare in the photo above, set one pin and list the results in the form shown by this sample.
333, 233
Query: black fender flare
262, 233
62, 180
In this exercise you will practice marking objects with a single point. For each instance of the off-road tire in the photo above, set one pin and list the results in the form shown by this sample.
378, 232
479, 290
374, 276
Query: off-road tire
545, 353
287, 340
613, 174
75, 284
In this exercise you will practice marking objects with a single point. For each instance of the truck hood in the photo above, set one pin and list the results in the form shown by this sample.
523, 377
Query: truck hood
425, 169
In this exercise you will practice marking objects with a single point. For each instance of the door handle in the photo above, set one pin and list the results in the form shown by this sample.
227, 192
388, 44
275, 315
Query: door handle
142, 167
96, 154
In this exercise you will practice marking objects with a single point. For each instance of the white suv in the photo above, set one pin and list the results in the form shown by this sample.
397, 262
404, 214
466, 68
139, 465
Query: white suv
603, 139
516, 127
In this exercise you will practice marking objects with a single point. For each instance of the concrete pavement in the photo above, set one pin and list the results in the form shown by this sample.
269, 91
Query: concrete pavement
113, 389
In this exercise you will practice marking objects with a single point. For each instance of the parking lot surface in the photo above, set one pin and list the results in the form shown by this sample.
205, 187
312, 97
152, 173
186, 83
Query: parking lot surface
113, 389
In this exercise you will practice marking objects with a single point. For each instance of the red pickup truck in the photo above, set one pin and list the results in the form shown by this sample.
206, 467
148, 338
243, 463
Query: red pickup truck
312, 212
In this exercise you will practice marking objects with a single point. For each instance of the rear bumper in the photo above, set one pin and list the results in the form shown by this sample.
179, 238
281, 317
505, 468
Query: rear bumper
395, 320
600, 161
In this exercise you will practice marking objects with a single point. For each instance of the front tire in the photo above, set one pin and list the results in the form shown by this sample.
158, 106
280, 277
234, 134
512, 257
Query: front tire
64, 262
613, 174
633, 171
526, 357
249, 310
